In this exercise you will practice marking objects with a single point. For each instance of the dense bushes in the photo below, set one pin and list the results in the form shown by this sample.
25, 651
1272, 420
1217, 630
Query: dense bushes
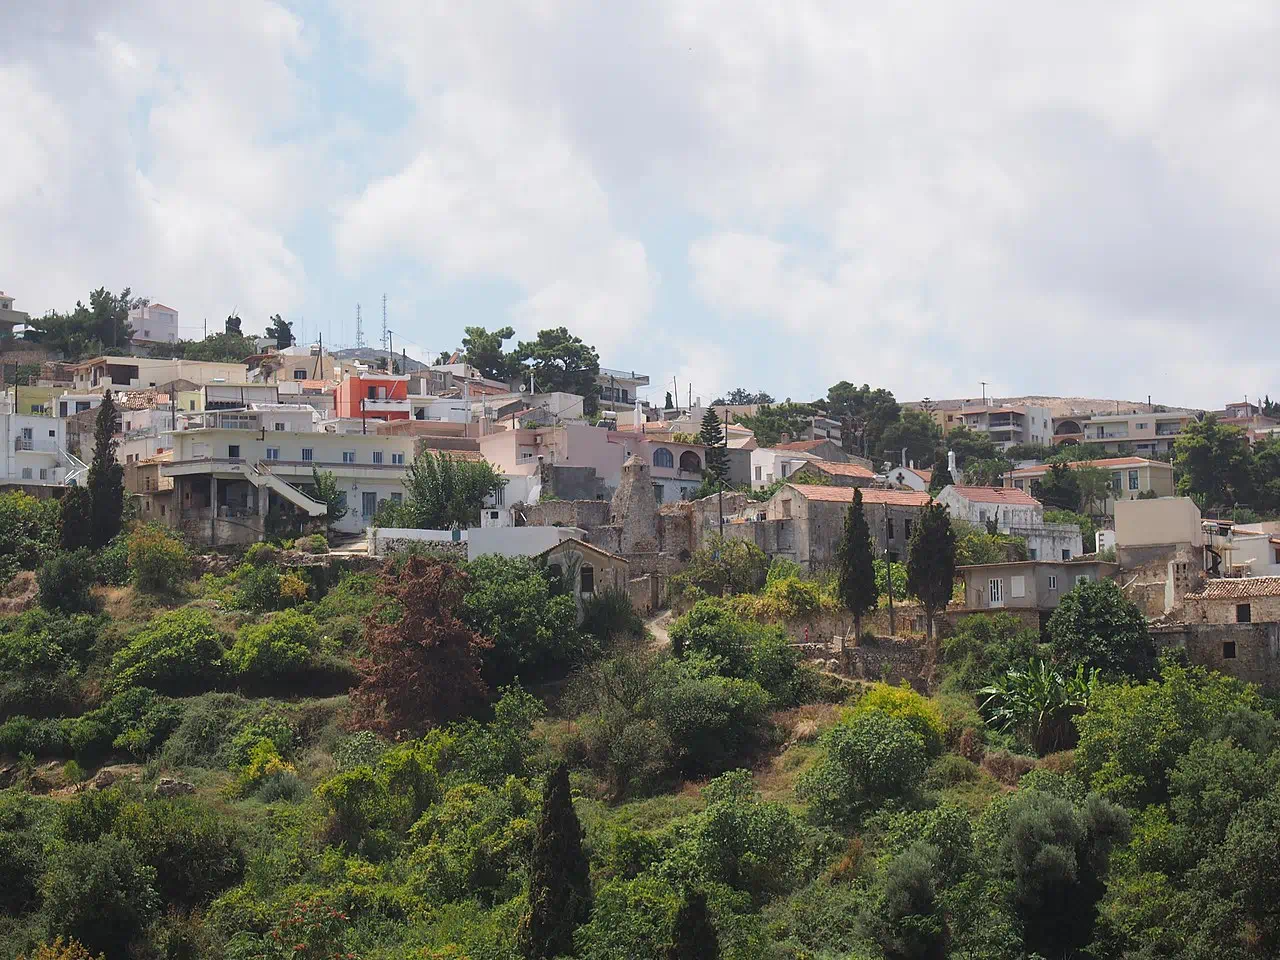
282, 644
180, 652
158, 561
65, 581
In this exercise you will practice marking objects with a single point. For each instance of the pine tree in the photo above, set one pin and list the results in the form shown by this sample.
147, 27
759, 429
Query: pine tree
559, 877
941, 473
106, 477
694, 934
856, 562
712, 436
931, 561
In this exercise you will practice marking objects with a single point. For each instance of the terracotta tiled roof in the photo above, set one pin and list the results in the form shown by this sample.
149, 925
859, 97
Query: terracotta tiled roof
839, 469
1241, 588
1110, 463
895, 498
925, 475
1004, 495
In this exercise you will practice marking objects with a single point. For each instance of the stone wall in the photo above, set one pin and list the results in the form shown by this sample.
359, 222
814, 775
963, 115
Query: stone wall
587, 514
1256, 649
888, 660
1263, 610
573, 483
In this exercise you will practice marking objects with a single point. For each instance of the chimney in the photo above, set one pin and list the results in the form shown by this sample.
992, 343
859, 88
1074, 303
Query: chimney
951, 464
903, 461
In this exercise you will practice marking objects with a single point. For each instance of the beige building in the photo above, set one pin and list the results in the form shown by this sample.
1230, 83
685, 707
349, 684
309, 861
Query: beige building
1146, 434
1030, 584
135, 373
1131, 477
9, 317
836, 474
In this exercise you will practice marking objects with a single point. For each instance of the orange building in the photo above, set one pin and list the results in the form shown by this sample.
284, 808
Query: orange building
375, 396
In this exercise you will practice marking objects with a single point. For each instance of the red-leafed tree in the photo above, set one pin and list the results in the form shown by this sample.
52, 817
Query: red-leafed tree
424, 668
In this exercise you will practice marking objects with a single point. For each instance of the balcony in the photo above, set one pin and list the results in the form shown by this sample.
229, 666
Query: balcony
20, 444
375, 407
1168, 429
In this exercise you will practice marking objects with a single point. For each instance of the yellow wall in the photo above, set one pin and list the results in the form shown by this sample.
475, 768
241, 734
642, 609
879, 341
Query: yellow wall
35, 396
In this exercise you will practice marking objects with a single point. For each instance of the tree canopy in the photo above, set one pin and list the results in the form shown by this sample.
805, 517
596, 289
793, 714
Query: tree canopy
100, 327
864, 414
916, 432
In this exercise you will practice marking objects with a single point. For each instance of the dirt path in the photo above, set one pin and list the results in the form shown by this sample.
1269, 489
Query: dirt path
657, 627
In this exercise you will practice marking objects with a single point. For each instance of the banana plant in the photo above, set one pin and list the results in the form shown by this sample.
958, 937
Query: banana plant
1037, 702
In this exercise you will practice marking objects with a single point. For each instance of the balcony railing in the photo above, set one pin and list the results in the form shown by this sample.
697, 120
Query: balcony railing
21, 444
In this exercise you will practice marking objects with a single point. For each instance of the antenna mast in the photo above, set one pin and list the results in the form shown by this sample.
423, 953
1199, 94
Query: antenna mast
386, 338
359, 329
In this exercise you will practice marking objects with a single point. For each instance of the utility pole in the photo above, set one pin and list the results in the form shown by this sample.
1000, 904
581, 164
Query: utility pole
724, 468
984, 392
386, 334
391, 356
675, 393
888, 574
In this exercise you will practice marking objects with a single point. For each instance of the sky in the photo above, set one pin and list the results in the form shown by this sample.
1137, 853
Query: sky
1069, 199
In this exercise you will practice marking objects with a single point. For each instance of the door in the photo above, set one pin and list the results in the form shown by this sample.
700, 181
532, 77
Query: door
368, 503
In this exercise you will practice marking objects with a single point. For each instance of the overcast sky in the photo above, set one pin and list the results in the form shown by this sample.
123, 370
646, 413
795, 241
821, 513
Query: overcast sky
1066, 198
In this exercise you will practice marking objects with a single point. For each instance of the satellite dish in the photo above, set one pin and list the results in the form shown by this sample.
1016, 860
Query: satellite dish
523, 388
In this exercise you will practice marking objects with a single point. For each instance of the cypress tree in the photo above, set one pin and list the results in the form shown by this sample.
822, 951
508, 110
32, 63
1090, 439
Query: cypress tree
559, 877
856, 563
694, 936
106, 477
931, 561
712, 436
75, 519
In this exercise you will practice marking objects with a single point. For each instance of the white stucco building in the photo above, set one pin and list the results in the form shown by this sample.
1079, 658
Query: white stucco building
154, 323
1015, 513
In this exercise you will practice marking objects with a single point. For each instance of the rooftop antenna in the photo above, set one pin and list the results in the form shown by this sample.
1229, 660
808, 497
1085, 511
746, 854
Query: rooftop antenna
984, 392
386, 335
359, 329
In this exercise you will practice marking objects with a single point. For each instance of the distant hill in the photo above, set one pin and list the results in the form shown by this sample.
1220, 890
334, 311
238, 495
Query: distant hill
371, 355
1058, 406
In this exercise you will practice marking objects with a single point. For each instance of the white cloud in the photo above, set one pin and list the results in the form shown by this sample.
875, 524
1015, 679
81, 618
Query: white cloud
145, 155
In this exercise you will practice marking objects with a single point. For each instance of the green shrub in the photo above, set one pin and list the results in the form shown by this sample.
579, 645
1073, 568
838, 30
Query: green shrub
208, 725
475, 843
709, 720
258, 588
264, 764
315, 543
158, 561
282, 644
113, 562
65, 581
919, 712
179, 652
262, 554
100, 893
609, 615
867, 760
195, 852
983, 648
362, 749
267, 726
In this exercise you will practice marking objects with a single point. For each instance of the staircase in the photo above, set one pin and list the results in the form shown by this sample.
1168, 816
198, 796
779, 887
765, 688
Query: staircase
261, 476
77, 469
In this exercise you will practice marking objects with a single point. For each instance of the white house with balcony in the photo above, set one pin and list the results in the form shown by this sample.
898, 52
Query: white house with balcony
232, 467
1008, 425
35, 451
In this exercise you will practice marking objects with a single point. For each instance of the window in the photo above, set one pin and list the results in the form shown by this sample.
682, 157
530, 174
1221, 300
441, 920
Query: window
906, 529
277, 426
1017, 587
273, 453
1116, 481
658, 493
233, 451
1066, 554
191, 404
26, 433
146, 485
348, 456
148, 506
162, 509
995, 591
1053, 582
1244, 613
38, 408
373, 393
893, 556
982, 516
1082, 578
1133, 479
397, 459
299, 374
555, 571
397, 498
308, 453
368, 503
53, 433
759, 469
786, 509
587, 578
1228, 649
26, 473
1033, 553
888, 528
662, 458
1140, 426
44, 473
377, 456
